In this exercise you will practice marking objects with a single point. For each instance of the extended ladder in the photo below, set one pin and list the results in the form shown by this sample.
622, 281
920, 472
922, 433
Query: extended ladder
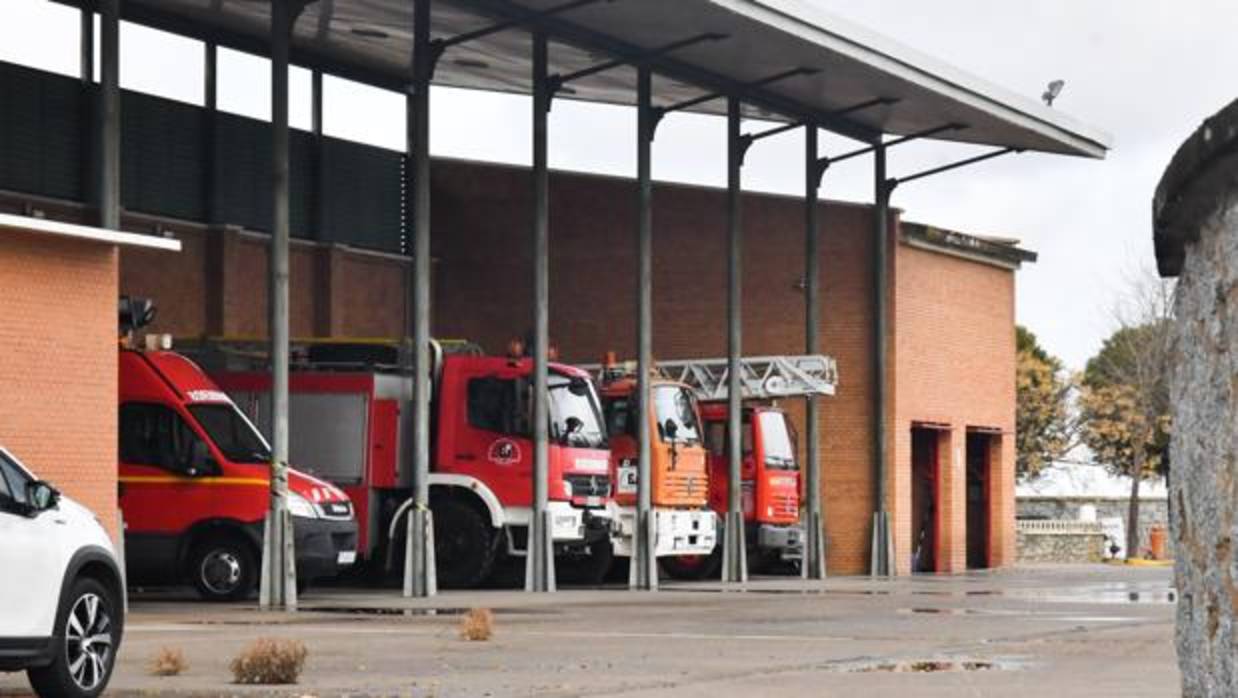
761, 377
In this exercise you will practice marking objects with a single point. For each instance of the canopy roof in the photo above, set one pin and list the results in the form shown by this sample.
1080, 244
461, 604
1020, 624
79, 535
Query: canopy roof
843, 65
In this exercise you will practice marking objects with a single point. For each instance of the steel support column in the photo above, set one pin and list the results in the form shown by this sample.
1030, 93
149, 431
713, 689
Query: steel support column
320, 166
734, 553
420, 577
540, 563
109, 114
279, 574
210, 102
813, 563
643, 573
882, 554
86, 46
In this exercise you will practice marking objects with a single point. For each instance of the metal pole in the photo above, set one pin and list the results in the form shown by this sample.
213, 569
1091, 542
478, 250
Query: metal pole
734, 563
320, 168
882, 557
814, 543
279, 589
109, 122
87, 46
210, 100
644, 572
539, 571
420, 578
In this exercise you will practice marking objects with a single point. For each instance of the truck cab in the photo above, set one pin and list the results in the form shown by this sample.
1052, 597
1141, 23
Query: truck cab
195, 486
679, 486
770, 474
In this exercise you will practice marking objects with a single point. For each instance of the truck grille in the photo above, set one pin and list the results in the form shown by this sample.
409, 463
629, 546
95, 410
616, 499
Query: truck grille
684, 488
785, 505
589, 485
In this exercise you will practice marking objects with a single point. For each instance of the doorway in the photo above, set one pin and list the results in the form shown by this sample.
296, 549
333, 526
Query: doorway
925, 445
980, 446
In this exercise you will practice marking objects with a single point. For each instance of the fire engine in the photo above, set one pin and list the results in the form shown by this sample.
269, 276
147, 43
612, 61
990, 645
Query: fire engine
349, 417
195, 480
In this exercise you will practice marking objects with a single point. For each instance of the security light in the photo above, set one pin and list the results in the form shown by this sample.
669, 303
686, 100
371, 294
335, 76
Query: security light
1051, 93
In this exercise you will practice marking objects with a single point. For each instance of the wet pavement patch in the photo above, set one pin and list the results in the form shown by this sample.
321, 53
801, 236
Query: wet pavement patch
923, 666
395, 611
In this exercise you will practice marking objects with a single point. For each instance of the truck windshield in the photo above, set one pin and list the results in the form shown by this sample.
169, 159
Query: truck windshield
234, 435
575, 418
777, 441
673, 403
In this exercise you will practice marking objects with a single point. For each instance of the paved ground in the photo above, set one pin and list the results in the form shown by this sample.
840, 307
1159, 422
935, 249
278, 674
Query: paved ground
1063, 631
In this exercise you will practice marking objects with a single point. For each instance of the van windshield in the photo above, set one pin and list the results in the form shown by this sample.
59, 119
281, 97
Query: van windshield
233, 434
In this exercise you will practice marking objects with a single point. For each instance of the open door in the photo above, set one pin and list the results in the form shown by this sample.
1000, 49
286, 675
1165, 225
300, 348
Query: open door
979, 478
924, 499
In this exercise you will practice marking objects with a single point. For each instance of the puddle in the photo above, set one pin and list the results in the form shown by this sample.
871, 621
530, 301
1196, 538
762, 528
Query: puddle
388, 611
924, 666
1100, 594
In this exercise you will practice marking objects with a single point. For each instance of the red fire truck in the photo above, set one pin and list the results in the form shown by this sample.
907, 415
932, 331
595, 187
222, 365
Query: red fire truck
195, 482
769, 470
349, 416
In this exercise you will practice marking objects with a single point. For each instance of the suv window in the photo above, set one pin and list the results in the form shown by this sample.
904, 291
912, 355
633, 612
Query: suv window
12, 481
156, 435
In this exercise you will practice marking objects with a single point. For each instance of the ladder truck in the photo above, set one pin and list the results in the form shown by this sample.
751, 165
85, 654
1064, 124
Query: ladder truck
349, 418
683, 522
770, 469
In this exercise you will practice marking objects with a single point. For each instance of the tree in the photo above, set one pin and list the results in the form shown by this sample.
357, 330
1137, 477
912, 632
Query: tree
1124, 405
1044, 429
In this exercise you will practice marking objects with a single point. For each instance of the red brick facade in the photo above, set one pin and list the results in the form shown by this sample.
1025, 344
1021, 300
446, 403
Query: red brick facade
951, 344
58, 373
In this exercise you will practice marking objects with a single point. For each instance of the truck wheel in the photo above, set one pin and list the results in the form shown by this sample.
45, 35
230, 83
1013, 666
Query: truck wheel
88, 635
223, 569
693, 567
464, 544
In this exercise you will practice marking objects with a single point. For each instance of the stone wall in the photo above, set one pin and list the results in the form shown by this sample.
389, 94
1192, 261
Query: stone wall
1059, 541
1152, 512
1196, 234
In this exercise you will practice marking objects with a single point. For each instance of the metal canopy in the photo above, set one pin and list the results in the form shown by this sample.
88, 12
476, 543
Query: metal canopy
371, 41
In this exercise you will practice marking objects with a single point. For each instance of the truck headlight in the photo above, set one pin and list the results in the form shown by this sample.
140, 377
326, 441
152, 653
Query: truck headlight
301, 507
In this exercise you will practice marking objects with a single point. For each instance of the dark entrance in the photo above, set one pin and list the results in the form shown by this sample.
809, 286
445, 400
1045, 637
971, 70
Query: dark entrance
925, 445
980, 446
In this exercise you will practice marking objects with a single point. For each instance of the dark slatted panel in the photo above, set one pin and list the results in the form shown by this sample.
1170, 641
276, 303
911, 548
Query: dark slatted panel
163, 163
41, 145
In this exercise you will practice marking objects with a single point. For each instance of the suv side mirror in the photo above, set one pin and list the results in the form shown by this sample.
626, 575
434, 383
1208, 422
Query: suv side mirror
41, 496
671, 429
200, 460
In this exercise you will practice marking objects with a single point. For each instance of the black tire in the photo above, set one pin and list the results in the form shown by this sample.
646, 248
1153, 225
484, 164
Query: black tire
223, 569
591, 567
693, 567
465, 544
88, 632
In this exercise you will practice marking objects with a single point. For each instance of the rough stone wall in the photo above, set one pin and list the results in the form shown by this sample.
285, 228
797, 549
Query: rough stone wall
1050, 548
1152, 512
1204, 486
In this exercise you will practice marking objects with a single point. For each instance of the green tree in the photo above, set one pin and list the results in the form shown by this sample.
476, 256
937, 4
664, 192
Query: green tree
1044, 429
1124, 403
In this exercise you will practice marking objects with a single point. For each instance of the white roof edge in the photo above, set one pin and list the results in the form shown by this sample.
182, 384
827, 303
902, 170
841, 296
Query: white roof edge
28, 224
813, 24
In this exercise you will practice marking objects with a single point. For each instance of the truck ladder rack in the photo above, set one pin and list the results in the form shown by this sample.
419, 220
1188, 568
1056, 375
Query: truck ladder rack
761, 377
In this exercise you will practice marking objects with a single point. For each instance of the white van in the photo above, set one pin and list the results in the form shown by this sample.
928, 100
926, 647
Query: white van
61, 592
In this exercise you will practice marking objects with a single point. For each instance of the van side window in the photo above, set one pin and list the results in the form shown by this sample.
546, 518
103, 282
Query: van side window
12, 488
156, 435
499, 405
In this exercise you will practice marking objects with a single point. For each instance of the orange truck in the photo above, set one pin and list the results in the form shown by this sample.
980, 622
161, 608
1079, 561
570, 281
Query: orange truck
770, 469
684, 524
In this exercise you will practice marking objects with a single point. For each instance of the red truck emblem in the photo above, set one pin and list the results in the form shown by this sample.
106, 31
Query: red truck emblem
504, 452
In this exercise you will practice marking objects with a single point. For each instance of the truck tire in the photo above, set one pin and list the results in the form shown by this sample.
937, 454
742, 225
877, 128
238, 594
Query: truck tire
88, 631
693, 567
223, 569
465, 544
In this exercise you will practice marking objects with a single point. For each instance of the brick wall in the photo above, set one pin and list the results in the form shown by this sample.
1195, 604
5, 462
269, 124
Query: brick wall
954, 367
58, 375
952, 347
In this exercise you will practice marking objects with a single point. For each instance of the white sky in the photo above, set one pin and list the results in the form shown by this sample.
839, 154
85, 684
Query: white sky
1146, 71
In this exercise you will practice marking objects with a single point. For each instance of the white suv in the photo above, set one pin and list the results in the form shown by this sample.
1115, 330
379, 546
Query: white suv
61, 592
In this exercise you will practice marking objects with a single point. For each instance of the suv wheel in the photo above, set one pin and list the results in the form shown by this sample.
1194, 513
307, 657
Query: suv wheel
85, 647
223, 569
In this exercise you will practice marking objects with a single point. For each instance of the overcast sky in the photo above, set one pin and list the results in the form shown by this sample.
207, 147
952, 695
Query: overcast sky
1145, 71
